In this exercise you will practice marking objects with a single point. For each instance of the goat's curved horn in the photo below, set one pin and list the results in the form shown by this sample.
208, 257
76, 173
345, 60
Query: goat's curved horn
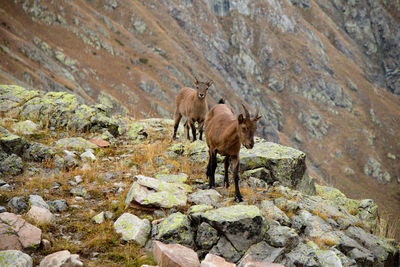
196, 81
257, 110
246, 111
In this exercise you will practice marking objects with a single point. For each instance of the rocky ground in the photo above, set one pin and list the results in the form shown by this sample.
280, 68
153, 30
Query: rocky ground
80, 186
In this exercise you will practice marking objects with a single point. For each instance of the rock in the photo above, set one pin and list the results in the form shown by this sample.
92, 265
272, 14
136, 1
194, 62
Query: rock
38, 201
75, 143
199, 208
270, 211
242, 225
61, 259
206, 236
99, 142
282, 236
16, 233
174, 255
10, 165
15, 258
25, 127
136, 132
285, 164
197, 151
40, 215
58, 205
2, 209
11, 143
225, 249
88, 156
38, 152
384, 252
205, 197
176, 229
303, 255
99, 218
78, 191
172, 178
150, 191
261, 253
212, 260
18, 204
368, 213
133, 228
337, 197
13, 96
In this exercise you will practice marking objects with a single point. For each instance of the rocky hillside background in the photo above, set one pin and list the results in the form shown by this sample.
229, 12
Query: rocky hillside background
324, 73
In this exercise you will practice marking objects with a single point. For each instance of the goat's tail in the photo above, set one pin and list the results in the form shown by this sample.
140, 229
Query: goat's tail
221, 101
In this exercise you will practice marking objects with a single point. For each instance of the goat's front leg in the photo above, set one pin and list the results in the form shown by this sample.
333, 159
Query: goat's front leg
226, 173
235, 166
191, 123
201, 127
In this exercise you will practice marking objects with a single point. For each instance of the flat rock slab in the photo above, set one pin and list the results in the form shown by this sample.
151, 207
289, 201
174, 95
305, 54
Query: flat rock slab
241, 224
205, 197
16, 233
153, 192
174, 255
15, 258
133, 228
61, 259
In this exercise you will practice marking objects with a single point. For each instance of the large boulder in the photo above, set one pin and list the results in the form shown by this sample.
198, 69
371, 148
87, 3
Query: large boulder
154, 192
15, 258
285, 164
242, 225
10, 165
16, 233
133, 228
12, 97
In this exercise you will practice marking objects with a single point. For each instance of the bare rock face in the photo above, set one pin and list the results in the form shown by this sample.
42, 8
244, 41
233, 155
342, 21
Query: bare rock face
16, 233
174, 255
61, 259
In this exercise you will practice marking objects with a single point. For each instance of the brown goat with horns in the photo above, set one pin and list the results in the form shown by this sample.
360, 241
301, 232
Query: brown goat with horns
192, 104
224, 134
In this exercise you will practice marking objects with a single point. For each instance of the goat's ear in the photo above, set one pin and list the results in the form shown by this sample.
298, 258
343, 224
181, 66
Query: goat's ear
210, 82
240, 118
257, 118
196, 82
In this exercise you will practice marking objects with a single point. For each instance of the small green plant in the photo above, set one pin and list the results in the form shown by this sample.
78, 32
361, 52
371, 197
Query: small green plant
143, 60
119, 42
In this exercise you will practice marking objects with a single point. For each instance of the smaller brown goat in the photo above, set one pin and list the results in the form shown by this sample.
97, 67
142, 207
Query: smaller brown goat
224, 134
192, 104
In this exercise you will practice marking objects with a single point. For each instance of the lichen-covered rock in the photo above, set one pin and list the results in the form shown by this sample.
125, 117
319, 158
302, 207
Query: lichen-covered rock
272, 212
61, 259
199, 208
58, 205
206, 236
74, 143
205, 197
150, 191
136, 132
172, 178
25, 127
99, 218
242, 225
197, 151
368, 213
133, 228
384, 252
225, 249
260, 173
10, 165
261, 252
11, 143
18, 204
282, 236
176, 229
285, 164
337, 197
38, 152
16, 233
303, 255
13, 96
15, 258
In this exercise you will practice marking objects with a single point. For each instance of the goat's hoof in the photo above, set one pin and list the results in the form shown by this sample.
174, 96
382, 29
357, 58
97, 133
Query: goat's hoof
239, 199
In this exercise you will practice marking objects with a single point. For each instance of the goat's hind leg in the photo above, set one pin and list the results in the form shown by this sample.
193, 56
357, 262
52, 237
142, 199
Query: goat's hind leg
211, 166
193, 126
186, 126
178, 118
226, 172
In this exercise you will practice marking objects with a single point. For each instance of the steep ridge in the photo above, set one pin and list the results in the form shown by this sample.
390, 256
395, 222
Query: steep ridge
325, 74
